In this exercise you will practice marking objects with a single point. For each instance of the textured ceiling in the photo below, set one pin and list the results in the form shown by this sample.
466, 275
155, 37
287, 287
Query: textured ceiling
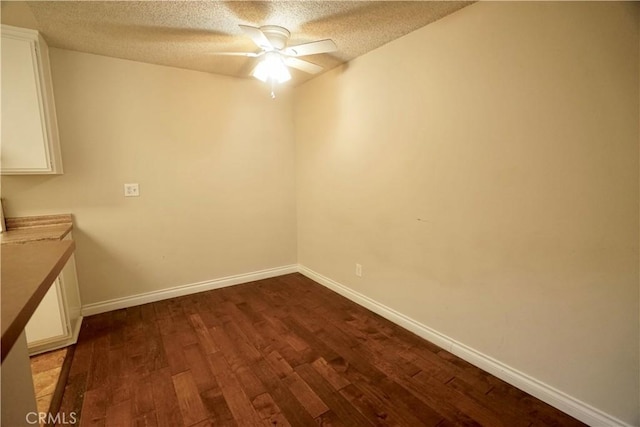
185, 33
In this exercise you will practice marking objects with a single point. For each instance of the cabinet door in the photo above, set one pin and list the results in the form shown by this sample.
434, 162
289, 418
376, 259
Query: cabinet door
24, 140
49, 321
29, 141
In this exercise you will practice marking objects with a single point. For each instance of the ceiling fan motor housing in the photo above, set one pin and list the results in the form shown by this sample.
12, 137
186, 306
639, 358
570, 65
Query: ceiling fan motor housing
278, 36
272, 41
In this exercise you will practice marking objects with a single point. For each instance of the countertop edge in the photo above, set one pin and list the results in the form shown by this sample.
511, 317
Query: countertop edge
19, 236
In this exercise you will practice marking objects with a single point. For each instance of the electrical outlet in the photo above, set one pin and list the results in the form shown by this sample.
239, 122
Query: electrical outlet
131, 190
358, 270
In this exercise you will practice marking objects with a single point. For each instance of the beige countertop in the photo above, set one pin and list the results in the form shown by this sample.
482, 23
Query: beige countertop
36, 228
32, 256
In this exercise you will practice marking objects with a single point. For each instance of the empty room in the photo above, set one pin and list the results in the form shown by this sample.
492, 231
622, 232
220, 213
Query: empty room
320, 213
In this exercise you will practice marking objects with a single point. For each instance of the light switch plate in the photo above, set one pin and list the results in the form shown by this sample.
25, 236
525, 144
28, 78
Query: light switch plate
131, 190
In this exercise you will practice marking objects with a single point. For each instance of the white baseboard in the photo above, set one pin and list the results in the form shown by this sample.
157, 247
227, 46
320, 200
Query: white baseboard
556, 398
147, 297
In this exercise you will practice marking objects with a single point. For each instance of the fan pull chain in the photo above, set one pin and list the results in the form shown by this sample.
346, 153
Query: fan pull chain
273, 88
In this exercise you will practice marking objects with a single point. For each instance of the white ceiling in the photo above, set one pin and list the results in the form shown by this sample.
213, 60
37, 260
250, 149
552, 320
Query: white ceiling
185, 33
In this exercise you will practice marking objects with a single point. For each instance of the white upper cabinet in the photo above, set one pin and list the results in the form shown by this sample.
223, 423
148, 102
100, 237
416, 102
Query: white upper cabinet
29, 143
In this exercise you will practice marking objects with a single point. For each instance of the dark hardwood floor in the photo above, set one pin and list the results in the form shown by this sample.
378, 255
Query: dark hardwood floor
282, 351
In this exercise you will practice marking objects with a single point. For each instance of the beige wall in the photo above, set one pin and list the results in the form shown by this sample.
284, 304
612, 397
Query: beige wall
214, 160
484, 172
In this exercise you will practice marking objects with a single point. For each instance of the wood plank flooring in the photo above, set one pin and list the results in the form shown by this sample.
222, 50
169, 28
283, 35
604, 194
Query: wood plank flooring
45, 371
281, 352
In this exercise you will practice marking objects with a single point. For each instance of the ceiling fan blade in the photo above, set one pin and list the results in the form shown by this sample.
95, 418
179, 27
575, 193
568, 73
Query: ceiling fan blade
313, 48
257, 36
246, 54
303, 65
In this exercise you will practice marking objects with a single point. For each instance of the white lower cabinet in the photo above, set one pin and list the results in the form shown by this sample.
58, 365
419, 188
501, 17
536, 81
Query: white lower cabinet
49, 321
57, 320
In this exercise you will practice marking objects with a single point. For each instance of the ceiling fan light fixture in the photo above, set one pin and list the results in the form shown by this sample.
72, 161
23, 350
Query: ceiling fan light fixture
272, 68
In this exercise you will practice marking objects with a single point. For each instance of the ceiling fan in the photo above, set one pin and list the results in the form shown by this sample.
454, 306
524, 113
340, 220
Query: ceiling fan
272, 40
